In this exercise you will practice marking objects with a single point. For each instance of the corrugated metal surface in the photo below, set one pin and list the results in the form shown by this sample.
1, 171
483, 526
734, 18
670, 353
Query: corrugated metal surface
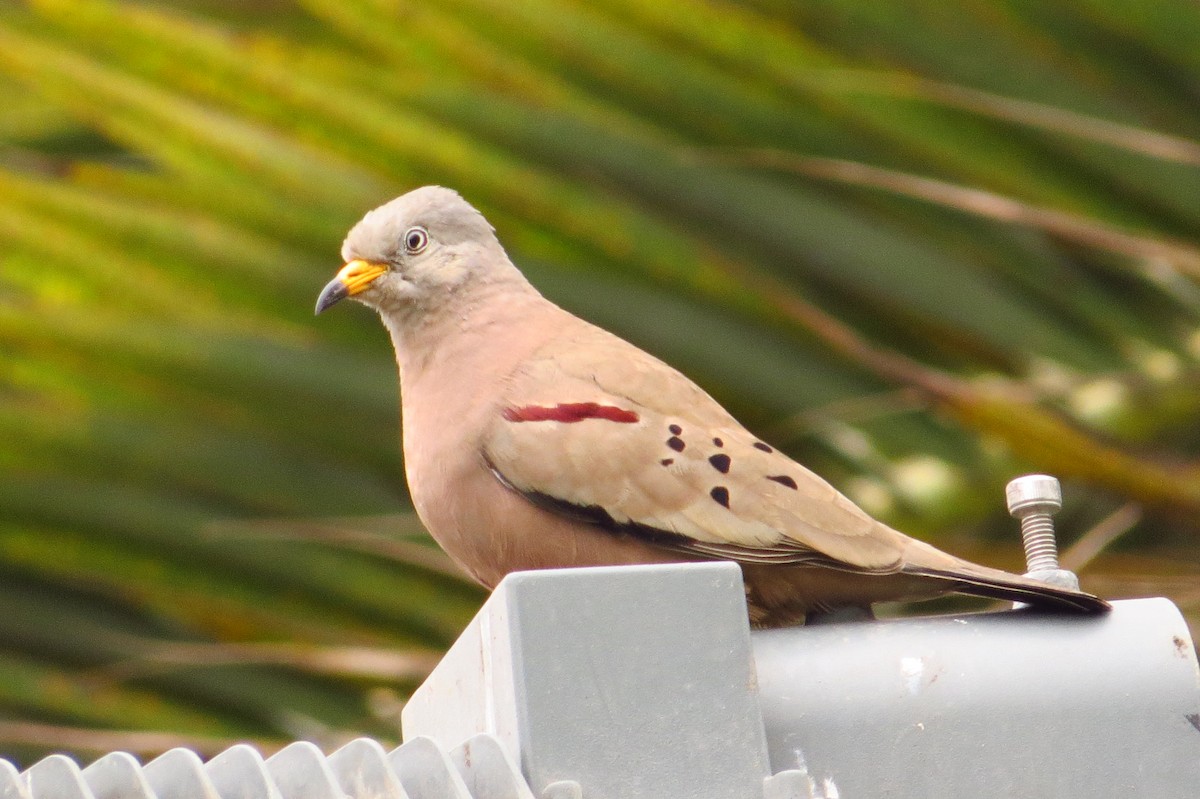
420, 769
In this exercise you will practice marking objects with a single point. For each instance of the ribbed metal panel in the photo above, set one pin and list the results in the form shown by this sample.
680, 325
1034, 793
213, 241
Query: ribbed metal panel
420, 769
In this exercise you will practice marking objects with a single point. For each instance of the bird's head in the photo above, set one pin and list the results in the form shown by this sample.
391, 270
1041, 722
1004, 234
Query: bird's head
413, 250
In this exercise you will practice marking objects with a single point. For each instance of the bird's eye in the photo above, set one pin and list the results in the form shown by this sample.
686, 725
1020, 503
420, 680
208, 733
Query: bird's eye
415, 240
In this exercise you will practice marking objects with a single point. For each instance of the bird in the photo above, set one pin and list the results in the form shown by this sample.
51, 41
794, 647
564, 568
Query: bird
533, 439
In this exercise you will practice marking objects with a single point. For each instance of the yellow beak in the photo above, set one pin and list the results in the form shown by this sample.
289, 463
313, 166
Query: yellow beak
350, 280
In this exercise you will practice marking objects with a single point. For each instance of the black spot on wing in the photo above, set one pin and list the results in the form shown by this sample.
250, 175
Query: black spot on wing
675, 429
720, 462
762, 446
718, 442
667, 461
783, 480
781, 553
676, 443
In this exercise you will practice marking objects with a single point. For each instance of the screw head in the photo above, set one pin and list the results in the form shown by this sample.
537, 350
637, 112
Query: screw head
1031, 492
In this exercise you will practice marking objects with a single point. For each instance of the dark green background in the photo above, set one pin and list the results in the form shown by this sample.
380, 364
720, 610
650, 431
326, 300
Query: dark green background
922, 246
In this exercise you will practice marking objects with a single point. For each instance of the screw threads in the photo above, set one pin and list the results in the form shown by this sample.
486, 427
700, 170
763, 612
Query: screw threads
1037, 534
1033, 499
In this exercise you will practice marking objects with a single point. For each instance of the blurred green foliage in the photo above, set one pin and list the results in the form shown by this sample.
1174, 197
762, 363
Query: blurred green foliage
922, 246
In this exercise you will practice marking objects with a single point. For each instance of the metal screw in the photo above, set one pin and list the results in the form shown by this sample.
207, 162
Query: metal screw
1033, 499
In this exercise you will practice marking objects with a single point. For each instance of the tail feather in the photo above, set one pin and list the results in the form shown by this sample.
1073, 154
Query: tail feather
996, 584
963, 576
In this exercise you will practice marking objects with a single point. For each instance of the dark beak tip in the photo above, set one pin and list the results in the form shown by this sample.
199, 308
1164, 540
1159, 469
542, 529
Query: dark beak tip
333, 293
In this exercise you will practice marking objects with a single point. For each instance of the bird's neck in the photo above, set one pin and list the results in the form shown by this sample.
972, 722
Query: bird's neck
478, 327
453, 369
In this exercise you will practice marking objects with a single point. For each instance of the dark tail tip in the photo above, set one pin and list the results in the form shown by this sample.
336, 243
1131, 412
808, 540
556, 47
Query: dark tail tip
1049, 597
1016, 588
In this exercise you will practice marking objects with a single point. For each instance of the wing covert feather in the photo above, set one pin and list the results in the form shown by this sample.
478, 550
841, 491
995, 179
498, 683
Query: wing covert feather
627, 437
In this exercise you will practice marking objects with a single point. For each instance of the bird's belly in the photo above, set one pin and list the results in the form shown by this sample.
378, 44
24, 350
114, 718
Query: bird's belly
490, 531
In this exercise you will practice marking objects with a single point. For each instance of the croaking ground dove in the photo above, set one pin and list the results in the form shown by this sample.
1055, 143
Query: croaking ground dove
533, 439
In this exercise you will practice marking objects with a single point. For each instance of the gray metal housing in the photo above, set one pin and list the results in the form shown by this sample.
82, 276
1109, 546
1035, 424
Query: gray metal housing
646, 682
